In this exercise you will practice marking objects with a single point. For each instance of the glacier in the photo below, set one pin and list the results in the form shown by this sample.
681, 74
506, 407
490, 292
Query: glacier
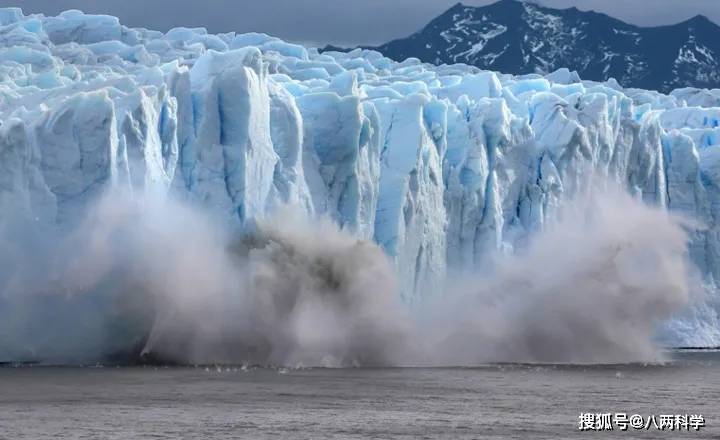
441, 166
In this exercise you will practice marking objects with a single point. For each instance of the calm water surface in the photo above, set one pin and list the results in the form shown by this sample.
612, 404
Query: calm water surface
499, 401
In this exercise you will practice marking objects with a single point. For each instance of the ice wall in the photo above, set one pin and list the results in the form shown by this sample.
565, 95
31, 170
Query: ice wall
440, 165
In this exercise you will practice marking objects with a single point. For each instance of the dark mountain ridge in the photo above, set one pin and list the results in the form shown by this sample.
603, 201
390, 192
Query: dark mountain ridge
521, 37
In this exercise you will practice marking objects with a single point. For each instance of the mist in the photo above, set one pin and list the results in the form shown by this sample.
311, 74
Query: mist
142, 277
591, 288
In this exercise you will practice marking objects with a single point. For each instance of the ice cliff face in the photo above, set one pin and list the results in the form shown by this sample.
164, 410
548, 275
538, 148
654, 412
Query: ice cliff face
440, 165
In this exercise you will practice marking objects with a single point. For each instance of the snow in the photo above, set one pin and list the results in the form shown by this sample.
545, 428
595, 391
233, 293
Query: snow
484, 38
440, 165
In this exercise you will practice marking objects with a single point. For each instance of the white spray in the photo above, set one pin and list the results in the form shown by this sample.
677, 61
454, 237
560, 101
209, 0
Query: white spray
161, 279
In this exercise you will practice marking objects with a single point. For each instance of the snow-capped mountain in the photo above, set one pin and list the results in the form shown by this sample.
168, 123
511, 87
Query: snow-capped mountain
441, 166
523, 37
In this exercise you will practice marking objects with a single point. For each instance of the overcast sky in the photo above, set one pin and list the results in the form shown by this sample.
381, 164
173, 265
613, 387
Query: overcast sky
345, 22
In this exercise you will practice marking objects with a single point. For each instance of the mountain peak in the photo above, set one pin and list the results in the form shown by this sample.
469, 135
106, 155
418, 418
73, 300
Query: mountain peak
524, 37
700, 19
456, 6
454, 9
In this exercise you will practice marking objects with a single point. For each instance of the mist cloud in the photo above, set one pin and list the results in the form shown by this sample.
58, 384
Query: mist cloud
593, 287
148, 277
